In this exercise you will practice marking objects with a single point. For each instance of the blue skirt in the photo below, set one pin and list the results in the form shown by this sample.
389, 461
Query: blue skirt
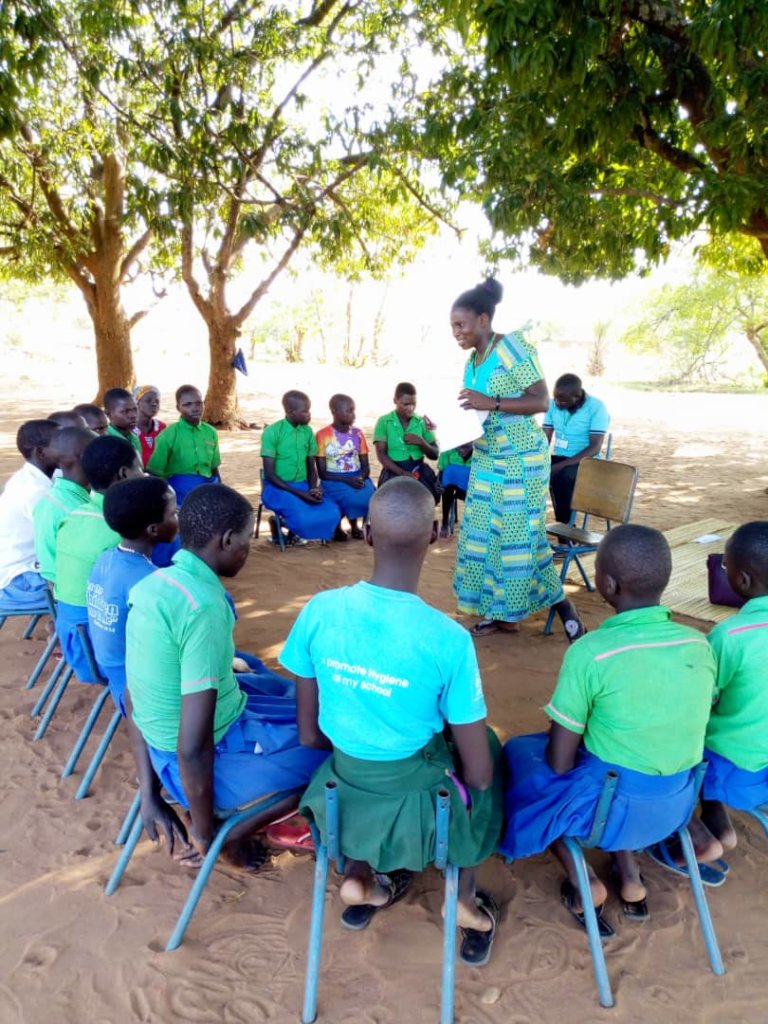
26, 593
456, 476
258, 754
312, 522
68, 618
734, 786
542, 806
352, 502
185, 483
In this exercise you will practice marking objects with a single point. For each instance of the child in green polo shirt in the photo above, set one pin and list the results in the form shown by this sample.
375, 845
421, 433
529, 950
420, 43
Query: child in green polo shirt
453, 469
82, 537
402, 439
123, 414
187, 452
291, 487
69, 491
633, 697
736, 745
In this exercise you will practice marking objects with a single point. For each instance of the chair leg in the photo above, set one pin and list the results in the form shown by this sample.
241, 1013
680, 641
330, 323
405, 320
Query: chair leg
128, 820
587, 583
280, 535
449, 943
85, 733
31, 626
37, 671
98, 757
50, 711
48, 688
590, 919
309, 1008
702, 907
259, 510
131, 842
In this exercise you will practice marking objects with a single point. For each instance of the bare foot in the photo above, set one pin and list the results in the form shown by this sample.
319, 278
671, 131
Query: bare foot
445, 532
714, 817
706, 846
355, 891
471, 917
628, 874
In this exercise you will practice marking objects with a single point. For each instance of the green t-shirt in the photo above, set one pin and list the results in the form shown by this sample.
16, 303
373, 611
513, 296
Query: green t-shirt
639, 689
390, 430
452, 458
290, 447
738, 728
184, 449
48, 514
130, 437
82, 537
179, 641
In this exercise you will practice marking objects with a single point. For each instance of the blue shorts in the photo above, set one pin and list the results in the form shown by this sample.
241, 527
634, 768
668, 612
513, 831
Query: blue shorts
68, 618
312, 522
734, 786
26, 593
542, 806
352, 501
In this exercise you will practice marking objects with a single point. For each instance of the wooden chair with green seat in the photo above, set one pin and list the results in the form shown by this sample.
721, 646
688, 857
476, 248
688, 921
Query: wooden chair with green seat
604, 490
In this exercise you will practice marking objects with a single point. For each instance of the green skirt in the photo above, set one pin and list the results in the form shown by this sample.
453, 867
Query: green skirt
387, 808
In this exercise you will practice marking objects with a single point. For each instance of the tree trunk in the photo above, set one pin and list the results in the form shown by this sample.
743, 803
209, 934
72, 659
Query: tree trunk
756, 341
221, 407
111, 329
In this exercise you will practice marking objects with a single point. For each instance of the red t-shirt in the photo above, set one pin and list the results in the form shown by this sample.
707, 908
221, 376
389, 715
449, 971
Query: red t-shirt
148, 440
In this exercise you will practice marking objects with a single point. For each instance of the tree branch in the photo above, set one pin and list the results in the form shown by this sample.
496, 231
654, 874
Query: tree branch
134, 252
239, 318
649, 139
636, 193
188, 274
424, 203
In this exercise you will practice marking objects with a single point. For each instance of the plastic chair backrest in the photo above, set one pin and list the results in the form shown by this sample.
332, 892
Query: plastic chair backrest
605, 489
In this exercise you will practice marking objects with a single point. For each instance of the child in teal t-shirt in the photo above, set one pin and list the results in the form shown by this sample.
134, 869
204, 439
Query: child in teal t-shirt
402, 440
291, 487
381, 675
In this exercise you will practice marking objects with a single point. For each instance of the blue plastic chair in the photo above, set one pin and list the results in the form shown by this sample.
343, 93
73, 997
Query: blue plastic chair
331, 851
604, 489
35, 616
278, 517
760, 814
133, 826
576, 850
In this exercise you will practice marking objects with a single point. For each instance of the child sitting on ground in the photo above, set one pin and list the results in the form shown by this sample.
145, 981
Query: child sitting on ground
736, 744
82, 537
69, 491
453, 469
633, 698
147, 427
382, 696
343, 467
123, 415
94, 416
402, 439
142, 511
288, 450
21, 585
187, 452
213, 742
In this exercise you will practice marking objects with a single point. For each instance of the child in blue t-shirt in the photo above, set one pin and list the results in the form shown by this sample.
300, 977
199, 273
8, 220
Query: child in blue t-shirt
382, 696
143, 512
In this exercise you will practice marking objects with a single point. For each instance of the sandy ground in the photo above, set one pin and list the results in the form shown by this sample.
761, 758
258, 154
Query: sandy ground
69, 954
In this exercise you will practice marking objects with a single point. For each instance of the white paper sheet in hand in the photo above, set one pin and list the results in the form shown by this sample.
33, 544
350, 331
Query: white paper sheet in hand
457, 426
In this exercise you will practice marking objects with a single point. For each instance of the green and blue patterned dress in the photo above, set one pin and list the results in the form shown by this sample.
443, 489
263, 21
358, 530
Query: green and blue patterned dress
504, 568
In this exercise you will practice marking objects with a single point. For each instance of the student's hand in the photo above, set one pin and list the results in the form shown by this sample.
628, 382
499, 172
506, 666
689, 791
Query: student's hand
162, 822
416, 439
556, 468
355, 481
313, 496
240, 665
469, 399
429, 423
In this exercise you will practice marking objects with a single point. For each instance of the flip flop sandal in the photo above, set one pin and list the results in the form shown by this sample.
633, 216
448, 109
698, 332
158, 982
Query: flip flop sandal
287, 836
476, 946
574, 630
360, 916
569, 896
710, 875
633, 910
490, 626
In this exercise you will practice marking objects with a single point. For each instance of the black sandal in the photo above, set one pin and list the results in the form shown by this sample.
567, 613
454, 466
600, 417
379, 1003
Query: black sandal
476, 946
360, 916
569, 896
633, 910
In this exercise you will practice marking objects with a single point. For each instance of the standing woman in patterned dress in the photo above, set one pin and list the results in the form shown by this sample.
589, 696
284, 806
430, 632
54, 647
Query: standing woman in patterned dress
504, 567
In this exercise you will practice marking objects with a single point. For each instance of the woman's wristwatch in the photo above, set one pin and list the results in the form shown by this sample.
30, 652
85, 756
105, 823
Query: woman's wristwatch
498, 403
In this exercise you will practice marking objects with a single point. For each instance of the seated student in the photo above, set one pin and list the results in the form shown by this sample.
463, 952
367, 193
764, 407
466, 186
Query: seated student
94, 416
632, 697
453, 469
736, 744
399, 700
187, 452
578, 422
122, 414
288, 450
21, 585
68, 418
212, 742
402, 439
343, 467
82, 537
147, 427
69, 491
142, 511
